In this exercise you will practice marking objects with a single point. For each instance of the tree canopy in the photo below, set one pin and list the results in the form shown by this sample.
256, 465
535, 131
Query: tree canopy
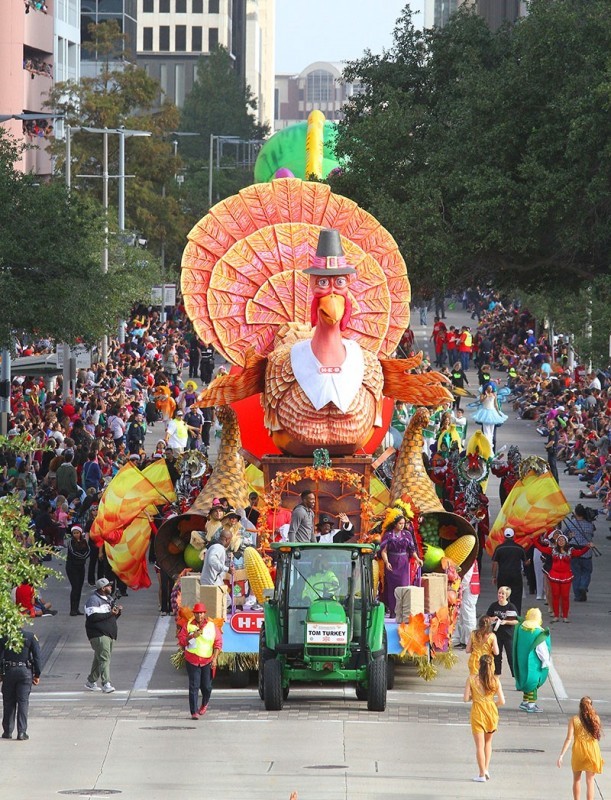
487, 154
52, 282
122, 94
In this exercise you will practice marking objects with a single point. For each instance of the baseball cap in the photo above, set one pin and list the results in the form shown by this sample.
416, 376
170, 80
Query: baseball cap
179, 413
102, 583
509, 533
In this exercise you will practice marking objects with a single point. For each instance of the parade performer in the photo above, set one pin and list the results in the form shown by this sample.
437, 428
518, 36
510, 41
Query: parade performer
482, 689
467, 619
489, 415
560, 574
398, 548
531, 658
509, 473
202, 642
481, 643
586, 730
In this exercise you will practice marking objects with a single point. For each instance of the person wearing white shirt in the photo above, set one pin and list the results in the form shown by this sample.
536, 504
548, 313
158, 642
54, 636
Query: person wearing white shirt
327, 534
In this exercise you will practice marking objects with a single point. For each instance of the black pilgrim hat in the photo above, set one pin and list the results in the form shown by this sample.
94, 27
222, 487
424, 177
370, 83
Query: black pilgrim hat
329, 259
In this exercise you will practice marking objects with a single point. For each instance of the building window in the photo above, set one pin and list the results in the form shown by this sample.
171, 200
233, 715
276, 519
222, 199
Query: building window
196, 39
179, 78
213, 39
164, 37
320, 87
164, 6
147, 39
198, 6
148, 6
181, 38
181, 6
213, 7
163, 79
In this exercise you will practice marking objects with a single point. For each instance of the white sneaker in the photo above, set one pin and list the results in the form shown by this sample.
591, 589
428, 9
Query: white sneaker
479, 779
93, 687
108, 688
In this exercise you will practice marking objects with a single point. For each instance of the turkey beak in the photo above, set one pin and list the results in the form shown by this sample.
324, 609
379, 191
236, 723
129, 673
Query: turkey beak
331, 308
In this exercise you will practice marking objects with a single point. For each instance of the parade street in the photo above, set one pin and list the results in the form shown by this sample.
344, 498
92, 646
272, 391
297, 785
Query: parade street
140, 742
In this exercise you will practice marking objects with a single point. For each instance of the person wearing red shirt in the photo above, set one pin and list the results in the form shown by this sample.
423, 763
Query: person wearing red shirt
438, 337
202, 642
560, 573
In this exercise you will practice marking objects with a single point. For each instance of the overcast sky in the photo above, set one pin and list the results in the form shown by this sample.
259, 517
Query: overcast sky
334, 30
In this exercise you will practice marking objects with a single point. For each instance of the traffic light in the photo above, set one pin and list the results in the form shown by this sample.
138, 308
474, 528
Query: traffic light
5, 389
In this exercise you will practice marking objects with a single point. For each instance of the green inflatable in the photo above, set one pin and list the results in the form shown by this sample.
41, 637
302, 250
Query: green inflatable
286, 150
191, 557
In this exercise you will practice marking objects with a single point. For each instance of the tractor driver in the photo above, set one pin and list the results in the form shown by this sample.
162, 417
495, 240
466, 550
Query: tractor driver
322, 583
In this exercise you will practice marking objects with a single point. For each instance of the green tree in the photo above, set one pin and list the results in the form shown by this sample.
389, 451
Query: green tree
122, 94
18, 563
220, 104
487, 153
51, 277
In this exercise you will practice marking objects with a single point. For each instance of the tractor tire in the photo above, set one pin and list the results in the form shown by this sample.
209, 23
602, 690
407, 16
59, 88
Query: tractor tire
390, 673
376, 697
264, 655
272, 685
361, 692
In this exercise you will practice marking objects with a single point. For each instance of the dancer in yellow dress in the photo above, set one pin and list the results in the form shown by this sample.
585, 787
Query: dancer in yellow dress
482, 689
585, 729
482, 642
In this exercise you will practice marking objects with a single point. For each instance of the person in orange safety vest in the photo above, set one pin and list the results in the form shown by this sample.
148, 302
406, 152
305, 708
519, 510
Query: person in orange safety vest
202, 642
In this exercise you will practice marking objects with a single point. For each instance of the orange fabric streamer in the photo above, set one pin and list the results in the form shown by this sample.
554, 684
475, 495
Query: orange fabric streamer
536, 504
122, 523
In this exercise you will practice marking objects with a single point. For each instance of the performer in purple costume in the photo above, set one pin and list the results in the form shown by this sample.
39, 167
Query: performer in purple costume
397, 548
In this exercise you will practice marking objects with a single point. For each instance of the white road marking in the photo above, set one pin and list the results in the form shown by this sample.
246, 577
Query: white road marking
152, 654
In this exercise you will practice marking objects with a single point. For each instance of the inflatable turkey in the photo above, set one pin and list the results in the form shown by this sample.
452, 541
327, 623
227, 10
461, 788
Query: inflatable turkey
308, 294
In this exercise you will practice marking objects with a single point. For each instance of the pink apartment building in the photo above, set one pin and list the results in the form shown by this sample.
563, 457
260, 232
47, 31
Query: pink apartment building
26, 70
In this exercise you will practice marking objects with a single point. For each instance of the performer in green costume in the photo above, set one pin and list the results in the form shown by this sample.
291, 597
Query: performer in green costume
531, 658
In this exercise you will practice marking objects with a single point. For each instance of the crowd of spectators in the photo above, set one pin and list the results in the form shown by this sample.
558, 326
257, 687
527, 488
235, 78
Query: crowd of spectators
37, 127
82, 441
37, 66
570, 405
37, 5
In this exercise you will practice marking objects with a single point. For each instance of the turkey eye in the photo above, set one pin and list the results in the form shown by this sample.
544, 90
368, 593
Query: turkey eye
323, 283
340, 282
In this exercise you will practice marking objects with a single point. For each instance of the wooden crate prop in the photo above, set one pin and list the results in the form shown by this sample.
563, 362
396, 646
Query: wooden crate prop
215, 600
331, 496
240, 585
189, 589
435, 591
410, 600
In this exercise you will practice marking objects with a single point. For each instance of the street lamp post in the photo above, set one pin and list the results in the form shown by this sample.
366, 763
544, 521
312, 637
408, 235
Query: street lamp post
123, 134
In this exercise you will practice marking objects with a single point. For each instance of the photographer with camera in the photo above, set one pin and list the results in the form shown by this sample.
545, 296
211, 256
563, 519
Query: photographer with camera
580, 530
101, 614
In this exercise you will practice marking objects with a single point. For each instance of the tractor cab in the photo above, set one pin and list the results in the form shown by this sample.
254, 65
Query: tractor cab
323, 622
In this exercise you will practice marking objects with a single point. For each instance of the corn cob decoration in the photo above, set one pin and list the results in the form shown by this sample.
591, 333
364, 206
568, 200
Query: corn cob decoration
375, 564
459, 550
228, 478
257, 573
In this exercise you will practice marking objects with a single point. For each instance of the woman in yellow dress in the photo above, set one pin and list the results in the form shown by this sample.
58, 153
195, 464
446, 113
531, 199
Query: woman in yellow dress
486, 693
586, 730
482, 642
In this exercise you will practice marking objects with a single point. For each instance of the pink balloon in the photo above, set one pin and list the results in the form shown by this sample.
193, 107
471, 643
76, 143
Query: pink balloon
283, 172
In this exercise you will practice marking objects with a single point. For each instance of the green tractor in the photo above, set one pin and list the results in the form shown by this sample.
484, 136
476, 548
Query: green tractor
323, 623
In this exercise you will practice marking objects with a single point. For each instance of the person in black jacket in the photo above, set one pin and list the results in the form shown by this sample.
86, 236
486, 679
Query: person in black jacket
101, 614
136, 434
76, 559
21, 668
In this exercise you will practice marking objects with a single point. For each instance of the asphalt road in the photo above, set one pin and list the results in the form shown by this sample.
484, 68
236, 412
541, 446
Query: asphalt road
141, 743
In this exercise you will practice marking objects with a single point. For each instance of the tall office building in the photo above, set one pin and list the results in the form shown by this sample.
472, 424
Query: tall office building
437, 13
259, 52
36, 50
173, 34
97, 11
